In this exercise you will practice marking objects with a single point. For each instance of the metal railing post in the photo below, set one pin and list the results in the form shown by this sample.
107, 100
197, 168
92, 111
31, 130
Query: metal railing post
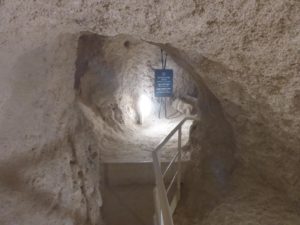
164, 208
179, 164
162, 194
158, 213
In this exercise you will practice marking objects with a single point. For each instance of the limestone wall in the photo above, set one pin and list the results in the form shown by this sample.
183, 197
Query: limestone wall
246, 51
49, 166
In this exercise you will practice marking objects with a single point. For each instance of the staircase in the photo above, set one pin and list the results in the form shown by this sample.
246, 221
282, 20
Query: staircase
143, 193
127, 194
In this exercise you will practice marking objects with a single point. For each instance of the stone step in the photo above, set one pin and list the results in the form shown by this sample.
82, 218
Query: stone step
128, 205
137, 173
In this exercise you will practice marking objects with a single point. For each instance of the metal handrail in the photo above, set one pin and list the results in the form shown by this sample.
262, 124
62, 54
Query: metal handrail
170, 164
163, 208
172, 181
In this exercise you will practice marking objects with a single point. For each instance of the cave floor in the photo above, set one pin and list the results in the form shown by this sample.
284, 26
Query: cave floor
135, 144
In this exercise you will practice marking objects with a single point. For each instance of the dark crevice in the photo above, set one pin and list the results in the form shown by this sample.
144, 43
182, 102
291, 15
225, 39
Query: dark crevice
89, 45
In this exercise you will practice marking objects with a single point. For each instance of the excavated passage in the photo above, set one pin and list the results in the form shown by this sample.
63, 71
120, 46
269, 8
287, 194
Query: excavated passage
112, 74
245, 167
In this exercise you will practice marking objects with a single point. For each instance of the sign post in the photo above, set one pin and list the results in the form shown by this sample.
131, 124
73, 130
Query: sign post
163, 85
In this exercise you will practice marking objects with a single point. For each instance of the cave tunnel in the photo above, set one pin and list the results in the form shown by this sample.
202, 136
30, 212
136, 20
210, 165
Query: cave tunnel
91, 134
115, 82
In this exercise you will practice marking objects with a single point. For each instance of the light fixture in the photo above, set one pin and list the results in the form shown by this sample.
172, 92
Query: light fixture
145, 107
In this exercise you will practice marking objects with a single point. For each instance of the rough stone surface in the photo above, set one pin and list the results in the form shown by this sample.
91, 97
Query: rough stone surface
249, 202
247, 52
49, 163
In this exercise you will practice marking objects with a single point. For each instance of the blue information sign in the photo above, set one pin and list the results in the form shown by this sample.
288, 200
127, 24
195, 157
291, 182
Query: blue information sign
163, 83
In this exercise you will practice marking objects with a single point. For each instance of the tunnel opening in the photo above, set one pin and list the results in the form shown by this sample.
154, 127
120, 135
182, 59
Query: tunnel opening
114, 82
112, 75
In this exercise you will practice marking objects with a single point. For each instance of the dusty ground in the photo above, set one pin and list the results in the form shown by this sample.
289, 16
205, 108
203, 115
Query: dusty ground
136, 143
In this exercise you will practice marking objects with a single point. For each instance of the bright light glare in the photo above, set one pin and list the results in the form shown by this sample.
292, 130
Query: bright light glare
145, 106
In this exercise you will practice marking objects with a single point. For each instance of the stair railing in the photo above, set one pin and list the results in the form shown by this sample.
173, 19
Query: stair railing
164, 208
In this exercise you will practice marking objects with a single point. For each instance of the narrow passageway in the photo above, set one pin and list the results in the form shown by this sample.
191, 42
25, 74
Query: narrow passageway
129, 120
110, 91
127, 170
88, 89
128, 191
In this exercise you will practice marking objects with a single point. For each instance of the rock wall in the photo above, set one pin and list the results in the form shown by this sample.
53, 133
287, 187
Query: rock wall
49, 163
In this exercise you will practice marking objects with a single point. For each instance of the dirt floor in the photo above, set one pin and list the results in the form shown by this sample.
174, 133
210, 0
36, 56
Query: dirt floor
136, 143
